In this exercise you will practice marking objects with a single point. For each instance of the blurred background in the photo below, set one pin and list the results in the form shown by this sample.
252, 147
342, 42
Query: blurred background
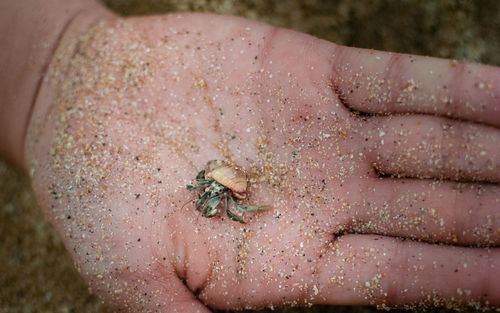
37, 273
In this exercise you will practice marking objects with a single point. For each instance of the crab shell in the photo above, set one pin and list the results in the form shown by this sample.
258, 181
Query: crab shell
228, 176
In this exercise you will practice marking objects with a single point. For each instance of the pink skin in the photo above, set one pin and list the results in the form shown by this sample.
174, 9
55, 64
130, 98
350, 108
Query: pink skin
133, 109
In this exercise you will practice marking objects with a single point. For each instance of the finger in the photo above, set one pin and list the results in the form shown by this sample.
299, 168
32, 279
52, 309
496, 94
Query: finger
351, 270
384, 271
180, 299
432, 211
159, 292
432, 147
381, 82
171, 296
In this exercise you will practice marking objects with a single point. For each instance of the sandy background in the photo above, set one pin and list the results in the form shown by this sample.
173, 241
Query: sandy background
36, 272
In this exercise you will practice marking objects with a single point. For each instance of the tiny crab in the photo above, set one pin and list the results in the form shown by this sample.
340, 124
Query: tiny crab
222, 181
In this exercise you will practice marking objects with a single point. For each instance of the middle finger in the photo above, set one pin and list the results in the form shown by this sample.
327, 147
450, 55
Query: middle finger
432, 211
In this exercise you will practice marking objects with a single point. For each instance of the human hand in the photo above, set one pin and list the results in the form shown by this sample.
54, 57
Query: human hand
133, 109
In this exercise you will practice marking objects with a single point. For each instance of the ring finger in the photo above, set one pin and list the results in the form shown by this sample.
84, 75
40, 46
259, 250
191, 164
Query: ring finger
433, 147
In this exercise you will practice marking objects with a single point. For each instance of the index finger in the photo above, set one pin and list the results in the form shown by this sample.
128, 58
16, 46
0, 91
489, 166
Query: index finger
384, 82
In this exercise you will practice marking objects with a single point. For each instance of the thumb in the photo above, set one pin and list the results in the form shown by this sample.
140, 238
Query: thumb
155, 293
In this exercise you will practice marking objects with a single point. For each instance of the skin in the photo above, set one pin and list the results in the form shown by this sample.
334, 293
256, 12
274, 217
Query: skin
381, 170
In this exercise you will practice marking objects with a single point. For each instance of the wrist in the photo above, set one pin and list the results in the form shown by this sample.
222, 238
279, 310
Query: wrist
32, 30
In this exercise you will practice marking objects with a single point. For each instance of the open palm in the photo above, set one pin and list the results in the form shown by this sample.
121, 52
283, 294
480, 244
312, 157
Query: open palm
381, 170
